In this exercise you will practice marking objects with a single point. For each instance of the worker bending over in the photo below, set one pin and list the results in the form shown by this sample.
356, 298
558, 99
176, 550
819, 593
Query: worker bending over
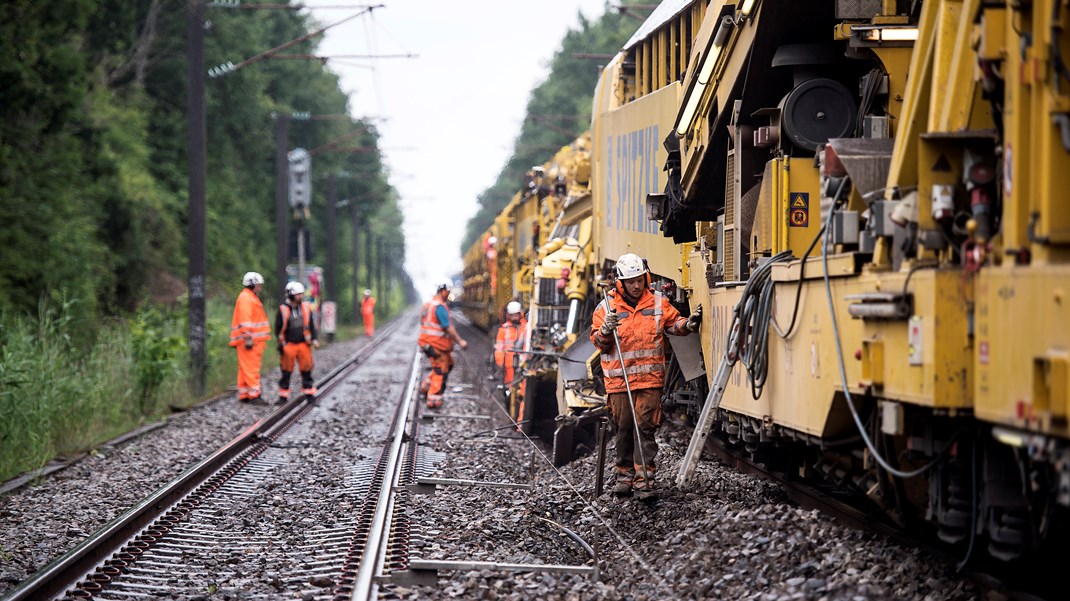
437, 336
295, 331
639, 319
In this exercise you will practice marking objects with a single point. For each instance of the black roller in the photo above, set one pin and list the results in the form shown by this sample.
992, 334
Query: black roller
816, 110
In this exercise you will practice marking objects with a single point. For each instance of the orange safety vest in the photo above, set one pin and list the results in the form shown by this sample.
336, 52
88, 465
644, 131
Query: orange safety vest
367, 306
306, 315
511, 339
431, 331
249, 319
642, 340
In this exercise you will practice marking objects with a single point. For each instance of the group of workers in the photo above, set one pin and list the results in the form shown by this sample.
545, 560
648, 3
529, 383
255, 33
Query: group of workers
628, 326
295, 336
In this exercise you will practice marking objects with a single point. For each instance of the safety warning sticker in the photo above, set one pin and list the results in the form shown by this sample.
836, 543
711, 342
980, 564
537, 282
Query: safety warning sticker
799, 209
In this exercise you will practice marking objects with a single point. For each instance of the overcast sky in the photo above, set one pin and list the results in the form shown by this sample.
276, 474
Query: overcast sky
451, 114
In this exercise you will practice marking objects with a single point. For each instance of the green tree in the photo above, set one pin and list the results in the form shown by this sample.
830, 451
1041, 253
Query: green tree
558, 111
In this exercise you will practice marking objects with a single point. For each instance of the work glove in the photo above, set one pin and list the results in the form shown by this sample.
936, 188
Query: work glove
315, 344
248, 343
610, 324
695, 319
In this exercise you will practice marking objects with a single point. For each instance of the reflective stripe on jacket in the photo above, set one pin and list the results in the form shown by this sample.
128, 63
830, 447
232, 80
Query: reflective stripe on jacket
306, 317
641, 332
431, 331
249, 320
510, 340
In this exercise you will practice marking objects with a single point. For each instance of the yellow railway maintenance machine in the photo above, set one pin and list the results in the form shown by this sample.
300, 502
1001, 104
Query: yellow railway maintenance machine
886, 274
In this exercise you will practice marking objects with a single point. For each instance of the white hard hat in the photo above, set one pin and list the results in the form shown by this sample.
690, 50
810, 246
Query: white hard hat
630, 266
295, 288
252, 278
367, 292
444, 286
513, 308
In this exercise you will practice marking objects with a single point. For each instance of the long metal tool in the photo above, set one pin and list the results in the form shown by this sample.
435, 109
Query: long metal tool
600, 441
628, 387
709, 409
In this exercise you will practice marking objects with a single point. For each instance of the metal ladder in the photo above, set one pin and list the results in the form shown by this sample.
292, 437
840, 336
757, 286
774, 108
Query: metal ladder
709, 409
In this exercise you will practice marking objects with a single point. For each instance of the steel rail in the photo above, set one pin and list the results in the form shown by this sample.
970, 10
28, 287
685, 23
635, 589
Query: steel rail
365, 584
64, 572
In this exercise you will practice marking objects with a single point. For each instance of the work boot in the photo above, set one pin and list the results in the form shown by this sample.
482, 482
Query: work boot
434, 401
625, 478
646, 494
644, 484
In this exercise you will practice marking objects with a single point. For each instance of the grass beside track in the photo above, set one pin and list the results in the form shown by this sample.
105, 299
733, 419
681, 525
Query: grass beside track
61, 399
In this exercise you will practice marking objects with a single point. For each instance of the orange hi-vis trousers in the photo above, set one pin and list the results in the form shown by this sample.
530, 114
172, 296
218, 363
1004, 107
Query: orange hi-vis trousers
631, 454
301, 354
249, 370
435, 382
369, 322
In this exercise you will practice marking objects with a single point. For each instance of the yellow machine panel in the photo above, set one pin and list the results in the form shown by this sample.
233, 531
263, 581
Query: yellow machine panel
1022, 377
629, 160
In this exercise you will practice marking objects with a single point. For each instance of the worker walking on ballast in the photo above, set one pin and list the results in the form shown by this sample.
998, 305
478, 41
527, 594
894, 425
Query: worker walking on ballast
437, 336
629, 327
295, 331
249, 333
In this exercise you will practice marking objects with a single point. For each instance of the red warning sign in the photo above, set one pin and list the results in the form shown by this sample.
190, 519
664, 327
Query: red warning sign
799, 209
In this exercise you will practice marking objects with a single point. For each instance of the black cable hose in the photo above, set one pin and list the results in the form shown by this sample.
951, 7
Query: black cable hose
752, 315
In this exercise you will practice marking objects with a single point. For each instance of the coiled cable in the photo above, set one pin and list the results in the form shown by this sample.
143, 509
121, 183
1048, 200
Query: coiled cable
752, 315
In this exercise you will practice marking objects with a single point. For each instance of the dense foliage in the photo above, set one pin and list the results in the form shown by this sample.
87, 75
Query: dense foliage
93, 206
93, 139
559, 109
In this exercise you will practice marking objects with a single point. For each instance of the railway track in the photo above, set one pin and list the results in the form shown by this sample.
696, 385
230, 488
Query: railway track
296, 505
191, 533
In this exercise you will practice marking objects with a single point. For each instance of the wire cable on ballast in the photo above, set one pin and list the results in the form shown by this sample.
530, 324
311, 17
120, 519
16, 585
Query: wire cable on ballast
661, 584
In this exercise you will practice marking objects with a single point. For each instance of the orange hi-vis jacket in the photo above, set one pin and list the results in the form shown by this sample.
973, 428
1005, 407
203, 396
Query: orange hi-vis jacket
249, 320
510, 340
306, 316
641, 332
431, 331
367, 306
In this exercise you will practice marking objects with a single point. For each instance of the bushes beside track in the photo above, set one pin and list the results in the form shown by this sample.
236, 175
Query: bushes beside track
61, 398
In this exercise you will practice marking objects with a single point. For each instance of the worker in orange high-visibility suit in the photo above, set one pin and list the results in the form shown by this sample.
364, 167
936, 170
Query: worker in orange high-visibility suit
512, 335
296, 332
367, 313
511, 338
249, 332
639, 319
437, 336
